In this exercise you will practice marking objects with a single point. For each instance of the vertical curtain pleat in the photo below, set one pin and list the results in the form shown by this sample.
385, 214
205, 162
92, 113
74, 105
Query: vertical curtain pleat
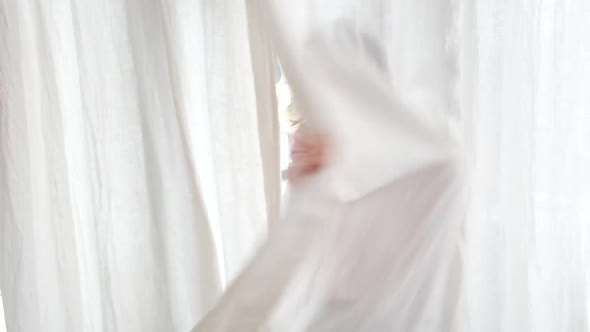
134, 181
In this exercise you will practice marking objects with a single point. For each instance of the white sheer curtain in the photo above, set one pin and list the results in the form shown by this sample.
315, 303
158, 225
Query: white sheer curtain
2, 320
135, 169
527, 133
369, 245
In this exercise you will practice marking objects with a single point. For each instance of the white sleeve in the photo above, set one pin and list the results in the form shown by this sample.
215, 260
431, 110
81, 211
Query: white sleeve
377, 76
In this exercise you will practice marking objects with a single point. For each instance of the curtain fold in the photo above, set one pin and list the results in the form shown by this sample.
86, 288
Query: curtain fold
264, 66
133, 180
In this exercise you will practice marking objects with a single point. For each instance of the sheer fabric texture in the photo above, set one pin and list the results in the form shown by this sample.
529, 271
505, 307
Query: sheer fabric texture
135, 169
456, 198
138, 166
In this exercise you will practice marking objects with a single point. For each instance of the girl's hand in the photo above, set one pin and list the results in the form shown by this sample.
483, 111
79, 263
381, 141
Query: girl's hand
308, 154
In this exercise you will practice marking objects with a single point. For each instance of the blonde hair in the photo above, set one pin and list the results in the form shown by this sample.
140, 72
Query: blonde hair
292, 114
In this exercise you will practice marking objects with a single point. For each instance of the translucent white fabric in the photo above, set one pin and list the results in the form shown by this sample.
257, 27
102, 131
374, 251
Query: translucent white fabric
526, 68
2, 321
137, 168
456, 197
